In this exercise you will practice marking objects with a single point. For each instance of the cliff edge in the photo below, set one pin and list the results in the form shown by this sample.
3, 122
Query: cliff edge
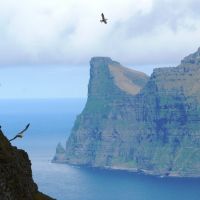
16, 181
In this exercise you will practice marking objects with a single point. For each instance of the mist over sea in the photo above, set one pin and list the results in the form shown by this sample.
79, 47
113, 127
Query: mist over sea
51, 122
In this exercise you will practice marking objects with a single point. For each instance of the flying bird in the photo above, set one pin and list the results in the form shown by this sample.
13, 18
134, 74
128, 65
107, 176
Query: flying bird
104, 20
20, 134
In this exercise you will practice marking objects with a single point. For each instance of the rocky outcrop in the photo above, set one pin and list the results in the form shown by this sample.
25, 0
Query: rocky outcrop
60, 154
16, 181
140, 123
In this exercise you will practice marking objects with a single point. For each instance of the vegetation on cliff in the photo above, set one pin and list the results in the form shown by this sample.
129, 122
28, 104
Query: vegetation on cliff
135, 122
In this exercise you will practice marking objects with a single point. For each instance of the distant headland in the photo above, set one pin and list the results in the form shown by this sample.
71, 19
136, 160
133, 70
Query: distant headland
139, 123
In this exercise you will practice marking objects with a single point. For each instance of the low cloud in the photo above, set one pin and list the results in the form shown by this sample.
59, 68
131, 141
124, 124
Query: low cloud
69, 32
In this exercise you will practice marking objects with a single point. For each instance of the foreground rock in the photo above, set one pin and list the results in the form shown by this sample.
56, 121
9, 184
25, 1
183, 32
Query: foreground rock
139, 123
16, 181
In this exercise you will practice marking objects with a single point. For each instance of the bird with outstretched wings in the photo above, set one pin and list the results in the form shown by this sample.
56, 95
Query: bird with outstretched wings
20, 134
104, 20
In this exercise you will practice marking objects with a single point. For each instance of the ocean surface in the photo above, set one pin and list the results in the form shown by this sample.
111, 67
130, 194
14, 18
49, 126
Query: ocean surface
51, 122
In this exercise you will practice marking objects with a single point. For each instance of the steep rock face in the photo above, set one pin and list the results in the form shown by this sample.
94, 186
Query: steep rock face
105, 119
16, 181
138, 123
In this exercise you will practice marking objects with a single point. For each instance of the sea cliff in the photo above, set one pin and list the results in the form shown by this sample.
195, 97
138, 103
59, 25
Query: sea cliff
140, 123
16, 182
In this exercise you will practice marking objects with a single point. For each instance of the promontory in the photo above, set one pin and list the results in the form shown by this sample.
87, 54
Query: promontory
139, 123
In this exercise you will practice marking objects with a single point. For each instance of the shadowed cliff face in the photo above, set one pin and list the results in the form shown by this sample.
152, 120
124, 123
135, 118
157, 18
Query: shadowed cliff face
16, 181
138, 123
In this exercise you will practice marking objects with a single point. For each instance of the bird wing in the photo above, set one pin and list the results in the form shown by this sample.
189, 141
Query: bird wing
20, 133
102, 15
13, 138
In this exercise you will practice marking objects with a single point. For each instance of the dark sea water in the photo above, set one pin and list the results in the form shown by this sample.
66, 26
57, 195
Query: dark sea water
51, 121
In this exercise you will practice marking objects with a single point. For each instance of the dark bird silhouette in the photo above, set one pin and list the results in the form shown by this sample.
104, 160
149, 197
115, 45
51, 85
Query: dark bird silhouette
104, 20
20, 134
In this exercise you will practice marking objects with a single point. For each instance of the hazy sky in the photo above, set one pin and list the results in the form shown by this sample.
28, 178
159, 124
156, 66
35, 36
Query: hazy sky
68, 32
43, 82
